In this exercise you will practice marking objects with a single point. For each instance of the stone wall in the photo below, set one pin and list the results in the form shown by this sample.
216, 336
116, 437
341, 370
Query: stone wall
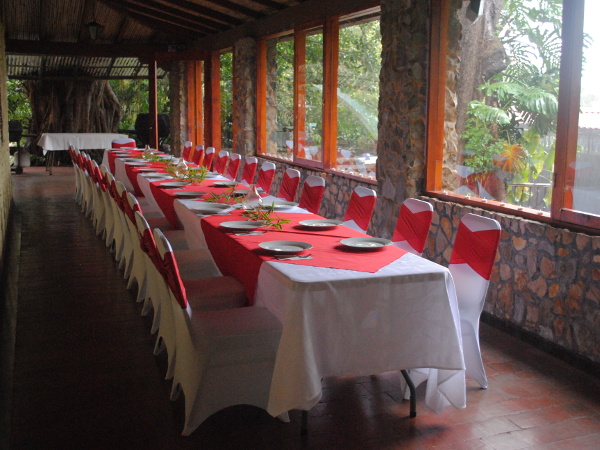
5, 174
337, 189
546, 280
244, 96
402, 108
178, 106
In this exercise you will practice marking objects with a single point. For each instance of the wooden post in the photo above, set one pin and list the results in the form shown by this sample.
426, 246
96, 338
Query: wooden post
212, 101
152, 104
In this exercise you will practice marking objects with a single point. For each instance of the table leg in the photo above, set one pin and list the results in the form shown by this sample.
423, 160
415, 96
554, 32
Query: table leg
413, 395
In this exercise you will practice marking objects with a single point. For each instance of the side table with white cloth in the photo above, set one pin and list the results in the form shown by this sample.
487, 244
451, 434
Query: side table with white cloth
53, 142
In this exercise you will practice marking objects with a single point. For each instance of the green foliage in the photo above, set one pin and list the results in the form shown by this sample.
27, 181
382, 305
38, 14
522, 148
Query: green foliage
19, 107
519, 106
481, 146
133, 96
227, 100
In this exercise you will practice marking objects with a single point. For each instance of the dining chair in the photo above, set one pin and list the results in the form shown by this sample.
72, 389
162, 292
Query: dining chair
75, 159
192, 264
266, 174
187, 150
360, 208
471, 263
312, 194
221, 162
222, 357
212, 293
234, 166
289, 185
249, 171
198, 154
123, 143
412, 226
209, 155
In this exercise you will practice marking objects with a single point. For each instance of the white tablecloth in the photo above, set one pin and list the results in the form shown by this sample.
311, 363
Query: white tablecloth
352, 323
81, 141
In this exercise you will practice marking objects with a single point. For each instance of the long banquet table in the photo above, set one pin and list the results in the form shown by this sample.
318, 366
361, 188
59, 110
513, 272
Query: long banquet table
349, 321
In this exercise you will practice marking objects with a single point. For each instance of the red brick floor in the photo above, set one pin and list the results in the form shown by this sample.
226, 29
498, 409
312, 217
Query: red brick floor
85, 376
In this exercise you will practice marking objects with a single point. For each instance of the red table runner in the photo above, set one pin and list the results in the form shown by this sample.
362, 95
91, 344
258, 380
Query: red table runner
112, 156
133, 172
241, 257
166, 197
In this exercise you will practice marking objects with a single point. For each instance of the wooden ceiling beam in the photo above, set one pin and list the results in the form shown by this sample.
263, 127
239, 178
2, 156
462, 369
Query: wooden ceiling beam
177, 30
238, 8
162, 8
77, 49
270, 4
175, 18
209, 13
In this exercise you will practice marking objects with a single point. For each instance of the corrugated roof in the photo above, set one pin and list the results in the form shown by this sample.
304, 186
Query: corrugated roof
38, 32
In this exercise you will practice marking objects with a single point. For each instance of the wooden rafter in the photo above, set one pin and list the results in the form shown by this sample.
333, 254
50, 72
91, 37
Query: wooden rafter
237, 8
190, 7
178, 22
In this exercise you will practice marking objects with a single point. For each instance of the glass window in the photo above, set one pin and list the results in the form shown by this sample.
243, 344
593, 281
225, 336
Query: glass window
310, 97
586, 189
501, 141
226, 61
358, 95
280, 96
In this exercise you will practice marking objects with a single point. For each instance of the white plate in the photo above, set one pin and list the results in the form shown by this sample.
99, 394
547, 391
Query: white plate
280, 204
212, 175
189, 194
138, 163
208, 208
155, 174
146, 169
174, 184
285, 247
242, 225
245, 191
320, 224
366, 243
225, 183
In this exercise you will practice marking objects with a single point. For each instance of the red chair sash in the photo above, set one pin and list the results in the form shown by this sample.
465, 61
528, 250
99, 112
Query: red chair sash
476, 248
360, 209
198, 156
233, 167
148, 245
128, 144
413, 228
249, 171
208, 159
173, 279
221, 164
311, 199
265, 179
186, 152
289, 187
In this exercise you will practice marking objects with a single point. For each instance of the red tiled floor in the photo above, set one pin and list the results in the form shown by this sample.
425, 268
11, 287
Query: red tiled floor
85, 376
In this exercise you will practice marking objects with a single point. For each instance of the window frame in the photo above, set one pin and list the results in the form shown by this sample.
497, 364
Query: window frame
330, 27
561, 212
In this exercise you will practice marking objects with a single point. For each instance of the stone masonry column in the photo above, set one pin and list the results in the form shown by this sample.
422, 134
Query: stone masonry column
244, 96
402, 108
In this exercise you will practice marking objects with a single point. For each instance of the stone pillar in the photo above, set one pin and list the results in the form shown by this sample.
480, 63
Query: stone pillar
402, 108
244, 96
178, 106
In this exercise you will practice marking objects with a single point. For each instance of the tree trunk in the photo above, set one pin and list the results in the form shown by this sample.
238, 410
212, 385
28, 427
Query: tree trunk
72, 106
